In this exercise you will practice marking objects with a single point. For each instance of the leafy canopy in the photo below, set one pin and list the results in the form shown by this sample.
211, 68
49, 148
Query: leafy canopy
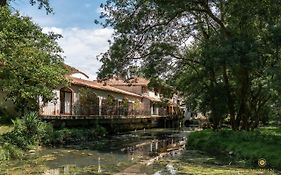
31, 64
41, 4
223, 55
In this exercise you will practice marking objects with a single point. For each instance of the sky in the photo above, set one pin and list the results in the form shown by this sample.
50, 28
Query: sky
82, 39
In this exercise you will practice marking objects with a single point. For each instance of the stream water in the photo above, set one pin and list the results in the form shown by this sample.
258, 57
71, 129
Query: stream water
142, 152
132, 151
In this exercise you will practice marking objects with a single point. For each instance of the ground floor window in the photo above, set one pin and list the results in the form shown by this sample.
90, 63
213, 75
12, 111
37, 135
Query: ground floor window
65, 101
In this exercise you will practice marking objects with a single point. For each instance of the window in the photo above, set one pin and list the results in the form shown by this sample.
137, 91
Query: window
156, 92
143, 89
65, 101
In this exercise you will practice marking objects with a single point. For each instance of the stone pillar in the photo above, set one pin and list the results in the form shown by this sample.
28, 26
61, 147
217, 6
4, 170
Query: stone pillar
100, 105
157, 110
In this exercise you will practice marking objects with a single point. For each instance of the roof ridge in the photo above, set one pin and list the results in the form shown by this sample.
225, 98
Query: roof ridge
73, 70
94, 84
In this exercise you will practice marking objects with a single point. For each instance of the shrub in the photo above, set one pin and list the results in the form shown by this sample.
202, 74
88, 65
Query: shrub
9, 151
5, 116
249, 146
28, 131
99, 130
74, 135
12, 151
3, 154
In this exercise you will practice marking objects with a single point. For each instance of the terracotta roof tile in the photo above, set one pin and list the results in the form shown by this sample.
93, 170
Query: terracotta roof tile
100, 86
133, 81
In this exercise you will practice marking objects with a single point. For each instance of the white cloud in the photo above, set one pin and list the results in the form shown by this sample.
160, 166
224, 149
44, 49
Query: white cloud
81, 47
52, 29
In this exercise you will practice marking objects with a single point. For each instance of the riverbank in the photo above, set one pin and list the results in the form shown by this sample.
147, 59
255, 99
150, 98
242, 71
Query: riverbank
241, 147
28, 133
199, 163
5, 129
123, 152
112, 153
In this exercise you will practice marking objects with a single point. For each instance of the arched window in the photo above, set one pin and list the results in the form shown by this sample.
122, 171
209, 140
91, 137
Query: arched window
66, 101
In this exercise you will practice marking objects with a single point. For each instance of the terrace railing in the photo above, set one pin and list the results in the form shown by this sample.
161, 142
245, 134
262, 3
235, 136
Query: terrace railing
53, 110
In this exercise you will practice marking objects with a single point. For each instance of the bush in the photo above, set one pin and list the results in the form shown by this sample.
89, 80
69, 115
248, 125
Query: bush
28, 131
250, 146
99, 131
5, 116
9, 151
74, 135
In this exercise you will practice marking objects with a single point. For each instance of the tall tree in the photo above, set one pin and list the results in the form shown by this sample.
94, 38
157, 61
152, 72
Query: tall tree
41, 4
231, 61
31, 64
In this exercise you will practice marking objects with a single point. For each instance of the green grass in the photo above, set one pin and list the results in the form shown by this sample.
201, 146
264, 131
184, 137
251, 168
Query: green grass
241, 145
199, 163
5, 129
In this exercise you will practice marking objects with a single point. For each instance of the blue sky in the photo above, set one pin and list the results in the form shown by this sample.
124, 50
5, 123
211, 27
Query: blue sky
82, 39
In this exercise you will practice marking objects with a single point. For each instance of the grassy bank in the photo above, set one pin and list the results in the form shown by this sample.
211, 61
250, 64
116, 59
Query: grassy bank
29, 132
200, 163
5, 129
241, 146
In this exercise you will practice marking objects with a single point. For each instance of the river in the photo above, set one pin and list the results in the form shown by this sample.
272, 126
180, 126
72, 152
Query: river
141, 152
117, 153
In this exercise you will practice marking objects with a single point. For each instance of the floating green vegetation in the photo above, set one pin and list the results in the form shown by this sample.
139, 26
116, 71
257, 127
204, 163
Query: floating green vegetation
198, 163
66, 161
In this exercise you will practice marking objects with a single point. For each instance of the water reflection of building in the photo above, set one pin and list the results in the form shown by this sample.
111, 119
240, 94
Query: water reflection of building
156, 147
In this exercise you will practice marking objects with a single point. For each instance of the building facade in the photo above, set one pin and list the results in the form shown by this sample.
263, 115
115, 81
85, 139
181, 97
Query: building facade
113, 97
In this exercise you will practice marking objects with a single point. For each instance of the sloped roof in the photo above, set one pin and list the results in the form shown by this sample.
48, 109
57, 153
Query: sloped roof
100, 86
73, 70
152, 98
132, 81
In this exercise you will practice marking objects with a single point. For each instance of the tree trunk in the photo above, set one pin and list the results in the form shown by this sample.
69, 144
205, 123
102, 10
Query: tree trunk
243, 95
230, 102
213, 115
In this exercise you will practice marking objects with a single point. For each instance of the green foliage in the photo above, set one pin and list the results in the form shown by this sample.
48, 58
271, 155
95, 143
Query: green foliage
9, 151
248, 146
125, 103
110, 101
231, 67
30, 61
41, 4
28, 131
88, 102
74, 135
5, 116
